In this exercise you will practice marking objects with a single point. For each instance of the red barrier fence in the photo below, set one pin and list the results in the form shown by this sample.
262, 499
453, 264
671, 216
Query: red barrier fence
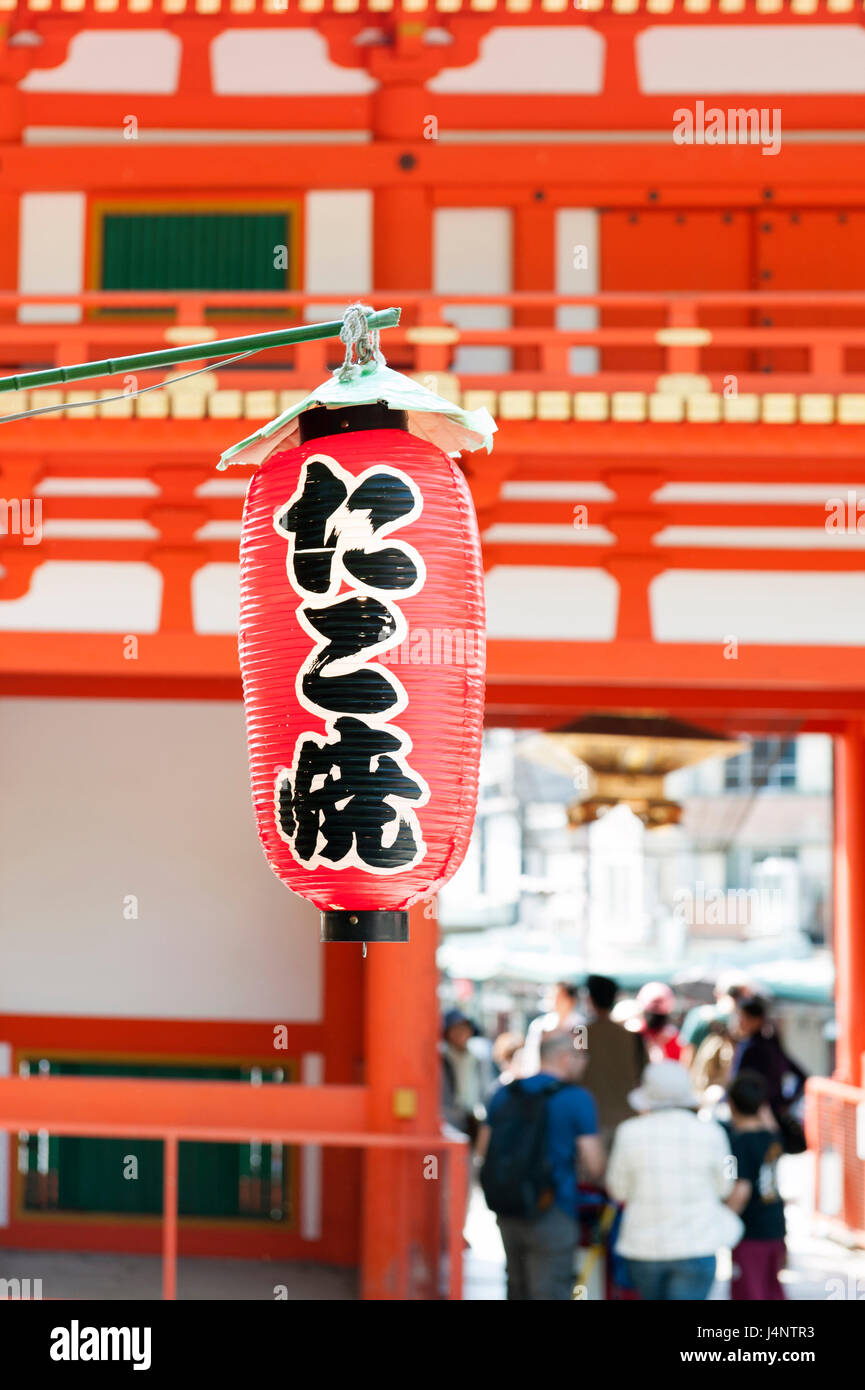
835, 1124
794, 341
230, 1112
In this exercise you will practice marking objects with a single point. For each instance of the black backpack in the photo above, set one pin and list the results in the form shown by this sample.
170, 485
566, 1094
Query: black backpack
515, 1176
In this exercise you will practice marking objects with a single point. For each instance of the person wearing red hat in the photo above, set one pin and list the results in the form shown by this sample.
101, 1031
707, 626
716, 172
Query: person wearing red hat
656, 1002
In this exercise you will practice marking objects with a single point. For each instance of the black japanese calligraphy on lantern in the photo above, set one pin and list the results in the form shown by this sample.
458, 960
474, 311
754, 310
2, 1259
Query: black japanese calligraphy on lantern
337, 525
349, 797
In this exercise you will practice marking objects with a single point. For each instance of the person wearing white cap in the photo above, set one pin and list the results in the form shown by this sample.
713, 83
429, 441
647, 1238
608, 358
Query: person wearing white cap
672, 1171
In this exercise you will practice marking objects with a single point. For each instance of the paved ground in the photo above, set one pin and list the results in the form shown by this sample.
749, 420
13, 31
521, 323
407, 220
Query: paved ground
817, 1267
66, 1275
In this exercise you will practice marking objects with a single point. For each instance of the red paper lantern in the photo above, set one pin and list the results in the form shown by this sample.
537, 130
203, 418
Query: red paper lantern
361, 648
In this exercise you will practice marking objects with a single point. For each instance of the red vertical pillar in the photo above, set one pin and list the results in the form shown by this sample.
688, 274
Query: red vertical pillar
401, 1191
169, 1216
534, 268
400, 1228
177, 516
10, 200
634, 520
850, 901
342, 1169
402, 237
9, 230
403, 122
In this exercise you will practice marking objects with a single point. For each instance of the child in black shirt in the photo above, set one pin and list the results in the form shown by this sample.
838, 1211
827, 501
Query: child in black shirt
756, 1146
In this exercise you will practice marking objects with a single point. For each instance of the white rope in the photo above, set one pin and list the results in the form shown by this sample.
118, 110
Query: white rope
361, 343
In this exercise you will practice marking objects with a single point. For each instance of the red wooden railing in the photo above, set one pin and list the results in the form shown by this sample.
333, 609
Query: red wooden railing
230, 1112
793, 341
835, 1123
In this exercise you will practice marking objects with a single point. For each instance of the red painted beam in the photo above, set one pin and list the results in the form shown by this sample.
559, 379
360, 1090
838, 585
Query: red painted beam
701, 665
30, 658
165, 656
616, 110
611, 109
530, 685
526, 511
663, 175
182, 111
224, 1110
530, 704
571, 449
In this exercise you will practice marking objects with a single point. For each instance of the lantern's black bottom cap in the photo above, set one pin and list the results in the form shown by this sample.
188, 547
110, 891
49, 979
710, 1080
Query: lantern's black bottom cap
364, 926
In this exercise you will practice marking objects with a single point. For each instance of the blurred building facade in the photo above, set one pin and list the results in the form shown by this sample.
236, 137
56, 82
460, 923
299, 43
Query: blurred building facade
745, 880
749, 864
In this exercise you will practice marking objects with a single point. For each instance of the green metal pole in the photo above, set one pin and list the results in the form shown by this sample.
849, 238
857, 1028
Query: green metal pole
197, 352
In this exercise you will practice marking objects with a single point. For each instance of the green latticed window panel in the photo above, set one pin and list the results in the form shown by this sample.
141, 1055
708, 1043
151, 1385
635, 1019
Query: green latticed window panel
191, 249
123, 1177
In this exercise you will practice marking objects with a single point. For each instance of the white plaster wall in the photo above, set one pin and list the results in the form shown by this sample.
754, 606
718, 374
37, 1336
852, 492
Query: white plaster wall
260, 61
52, 253
744, 58
337, 246
556, 604
578, 240
103, 799
216, 598
814, 763
88, 596
806, 608
472, 255
531, 59
146, 60
281, 62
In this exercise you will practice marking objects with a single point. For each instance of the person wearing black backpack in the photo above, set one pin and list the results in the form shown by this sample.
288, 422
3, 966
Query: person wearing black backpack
540, 1130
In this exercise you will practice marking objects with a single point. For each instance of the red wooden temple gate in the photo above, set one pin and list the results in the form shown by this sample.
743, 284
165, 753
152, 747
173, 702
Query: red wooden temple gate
722, 413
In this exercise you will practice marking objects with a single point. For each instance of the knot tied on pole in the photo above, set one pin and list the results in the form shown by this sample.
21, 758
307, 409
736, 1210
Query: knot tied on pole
361, 341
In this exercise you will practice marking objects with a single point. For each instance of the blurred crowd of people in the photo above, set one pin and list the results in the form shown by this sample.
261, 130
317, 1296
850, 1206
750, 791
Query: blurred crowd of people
608, 1122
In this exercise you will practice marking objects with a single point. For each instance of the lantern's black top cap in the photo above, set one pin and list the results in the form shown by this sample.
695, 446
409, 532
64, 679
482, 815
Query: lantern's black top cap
321, 420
